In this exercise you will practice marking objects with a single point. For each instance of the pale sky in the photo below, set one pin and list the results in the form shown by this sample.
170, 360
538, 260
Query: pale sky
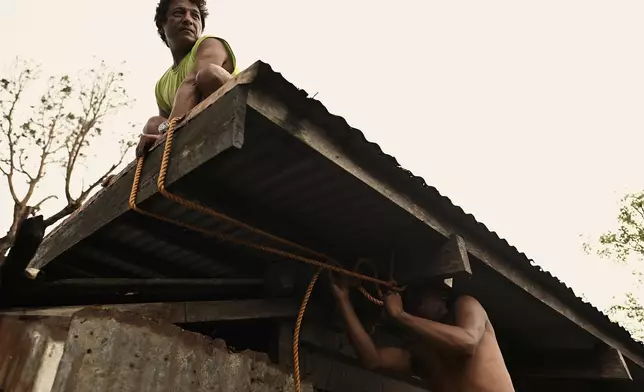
526, 114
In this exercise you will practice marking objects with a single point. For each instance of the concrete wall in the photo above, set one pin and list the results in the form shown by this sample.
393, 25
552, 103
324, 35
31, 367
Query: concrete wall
121, 352
105, 350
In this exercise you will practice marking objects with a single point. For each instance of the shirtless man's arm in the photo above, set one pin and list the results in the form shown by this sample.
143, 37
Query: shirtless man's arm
388, 359
462, 338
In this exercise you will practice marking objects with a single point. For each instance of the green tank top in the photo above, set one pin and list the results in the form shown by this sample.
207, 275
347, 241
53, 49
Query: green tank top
167, 86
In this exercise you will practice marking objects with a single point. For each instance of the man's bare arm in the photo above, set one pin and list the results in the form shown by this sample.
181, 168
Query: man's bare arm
212, 51
212, 69
388, 359
186, 96
462, 338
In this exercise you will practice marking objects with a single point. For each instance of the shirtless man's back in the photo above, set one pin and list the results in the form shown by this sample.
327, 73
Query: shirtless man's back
458, 354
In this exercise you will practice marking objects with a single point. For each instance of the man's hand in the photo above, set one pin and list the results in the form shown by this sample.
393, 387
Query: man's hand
339, 286
394, 305
149, 136
145, 143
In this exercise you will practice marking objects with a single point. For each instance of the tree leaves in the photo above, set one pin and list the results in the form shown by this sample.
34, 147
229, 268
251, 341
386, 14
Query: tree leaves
631, 315
626, 245
628, 239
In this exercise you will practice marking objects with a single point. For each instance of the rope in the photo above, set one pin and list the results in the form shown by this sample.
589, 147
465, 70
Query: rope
330, 264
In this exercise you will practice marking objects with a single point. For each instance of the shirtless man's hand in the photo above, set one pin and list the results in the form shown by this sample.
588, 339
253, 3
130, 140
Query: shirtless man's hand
393, 305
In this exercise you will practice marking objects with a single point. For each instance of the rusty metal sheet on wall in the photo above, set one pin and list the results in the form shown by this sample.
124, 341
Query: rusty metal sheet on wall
29, 353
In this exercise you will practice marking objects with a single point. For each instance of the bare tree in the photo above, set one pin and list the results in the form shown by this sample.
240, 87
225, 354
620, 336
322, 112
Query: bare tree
56, 131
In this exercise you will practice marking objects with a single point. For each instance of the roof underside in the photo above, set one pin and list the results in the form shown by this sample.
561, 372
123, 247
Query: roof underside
279, 184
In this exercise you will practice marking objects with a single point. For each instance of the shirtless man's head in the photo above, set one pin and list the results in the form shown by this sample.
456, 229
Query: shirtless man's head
428, 300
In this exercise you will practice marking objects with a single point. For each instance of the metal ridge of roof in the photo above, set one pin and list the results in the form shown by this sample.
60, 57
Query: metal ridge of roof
275, 84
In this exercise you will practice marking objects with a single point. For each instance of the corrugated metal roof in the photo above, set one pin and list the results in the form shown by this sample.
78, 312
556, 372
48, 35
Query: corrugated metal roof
275, 182
339, 129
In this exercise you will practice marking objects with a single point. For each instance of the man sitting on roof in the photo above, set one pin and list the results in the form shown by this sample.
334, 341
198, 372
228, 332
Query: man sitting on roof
451, 348
202, 64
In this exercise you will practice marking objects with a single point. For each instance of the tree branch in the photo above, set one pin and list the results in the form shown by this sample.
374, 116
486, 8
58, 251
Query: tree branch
53, 126
40, 203
98, 182
68, 209
20, 85
21, 167
639, 210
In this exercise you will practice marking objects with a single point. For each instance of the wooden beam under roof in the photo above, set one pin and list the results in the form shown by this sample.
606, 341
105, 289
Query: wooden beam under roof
602, 363
180, 312
448, 262
575, 385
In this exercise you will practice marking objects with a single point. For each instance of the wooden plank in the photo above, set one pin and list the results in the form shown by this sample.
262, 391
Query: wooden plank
576, 385
180, 312
329, 374
636, 372
596, 364
240, 310
114, 290
285, 345
337, 347
318, 370
378, 173
220, 127
29, 235
343, 377
127, 283
170, 312
450, 261
324, 373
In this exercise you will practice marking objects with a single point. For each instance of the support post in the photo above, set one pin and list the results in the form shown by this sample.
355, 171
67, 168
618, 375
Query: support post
450, 261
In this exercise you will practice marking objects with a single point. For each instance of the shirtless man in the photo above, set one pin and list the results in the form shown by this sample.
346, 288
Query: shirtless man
201, 64
451, 350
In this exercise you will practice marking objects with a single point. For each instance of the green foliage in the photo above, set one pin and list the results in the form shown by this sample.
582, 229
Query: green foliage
628, 240
631, 315
626, 246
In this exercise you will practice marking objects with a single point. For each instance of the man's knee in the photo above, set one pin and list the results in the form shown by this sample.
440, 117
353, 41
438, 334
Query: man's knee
152, 126
210, 78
